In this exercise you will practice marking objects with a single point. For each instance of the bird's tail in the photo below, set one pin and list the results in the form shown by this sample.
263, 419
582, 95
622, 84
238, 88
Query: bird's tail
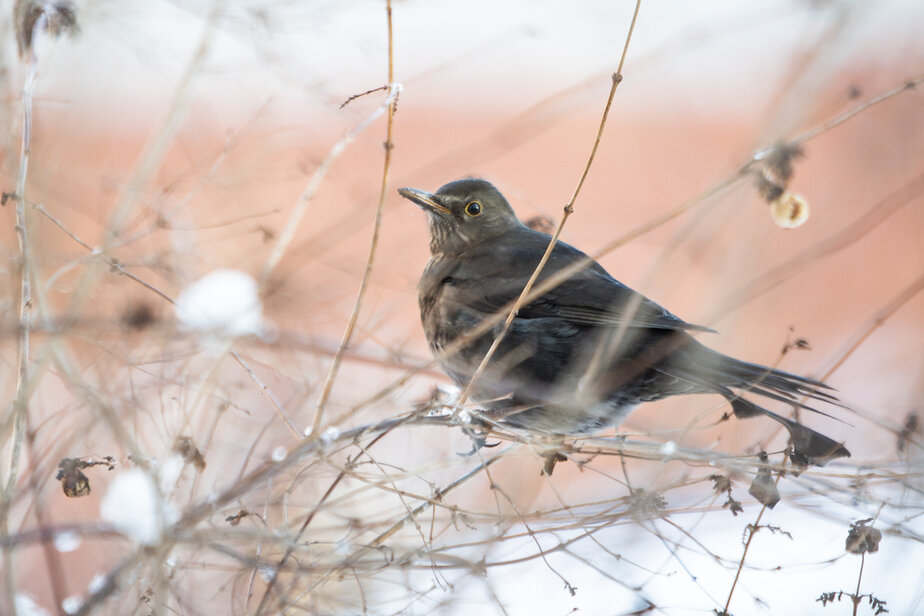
733, 378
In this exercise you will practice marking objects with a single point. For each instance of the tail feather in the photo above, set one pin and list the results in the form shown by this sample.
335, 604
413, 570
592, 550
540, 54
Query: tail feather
713, 372
789, 399
783, 383
807, 444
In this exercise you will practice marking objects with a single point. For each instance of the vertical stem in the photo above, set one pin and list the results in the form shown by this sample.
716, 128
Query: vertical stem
20, 404
568, 210
373, 246
744, 554
856, 595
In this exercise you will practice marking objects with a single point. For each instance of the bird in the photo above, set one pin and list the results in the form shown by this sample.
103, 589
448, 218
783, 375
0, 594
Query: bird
585, 353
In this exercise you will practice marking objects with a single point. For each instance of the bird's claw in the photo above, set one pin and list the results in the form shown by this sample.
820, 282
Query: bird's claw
479, 441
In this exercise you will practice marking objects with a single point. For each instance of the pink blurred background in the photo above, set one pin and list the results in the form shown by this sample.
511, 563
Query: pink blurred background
513, 94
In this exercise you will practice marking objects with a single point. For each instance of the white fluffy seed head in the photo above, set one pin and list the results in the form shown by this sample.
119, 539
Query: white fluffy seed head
221, 305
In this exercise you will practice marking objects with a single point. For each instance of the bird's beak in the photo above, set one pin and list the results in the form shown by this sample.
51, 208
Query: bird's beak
423, 199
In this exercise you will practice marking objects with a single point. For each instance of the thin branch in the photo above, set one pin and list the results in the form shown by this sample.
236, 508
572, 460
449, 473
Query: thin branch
21, 402
373, 244
353, 97
875, 322
856, 595
108, 260
908, 84
269, 395
568, 210
158, 146
307, 195
744, 555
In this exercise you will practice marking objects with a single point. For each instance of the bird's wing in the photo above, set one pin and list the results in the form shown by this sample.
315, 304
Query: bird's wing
589, 297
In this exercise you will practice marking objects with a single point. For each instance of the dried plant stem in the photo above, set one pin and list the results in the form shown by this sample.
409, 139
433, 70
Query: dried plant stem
268, 591
855, 599
906, 85
394, 528
266, 392
568, 210
744, 555
194, 514
306, 196
317, 507
21, 402
110, 583
56, 571
151, 158
374, 242
533, 535
874, 323
113, 264
156, 149
617, 79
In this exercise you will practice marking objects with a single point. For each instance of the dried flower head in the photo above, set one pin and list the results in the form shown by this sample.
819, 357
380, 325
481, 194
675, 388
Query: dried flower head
55, 18
763, 487
862, 538
778, 161
772, 170
722, 484
73, 481
644, 504
186, 448
789, 210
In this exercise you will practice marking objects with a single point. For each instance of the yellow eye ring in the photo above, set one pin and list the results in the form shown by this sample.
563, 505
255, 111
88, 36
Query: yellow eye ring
473, 209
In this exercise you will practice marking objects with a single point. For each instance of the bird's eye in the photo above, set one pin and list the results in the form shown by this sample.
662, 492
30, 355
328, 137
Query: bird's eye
473, 209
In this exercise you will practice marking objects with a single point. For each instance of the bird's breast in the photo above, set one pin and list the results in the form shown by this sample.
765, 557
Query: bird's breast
444, 313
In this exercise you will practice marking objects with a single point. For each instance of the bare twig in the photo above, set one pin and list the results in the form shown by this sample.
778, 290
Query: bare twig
353, 97
266, 392
856, 594
876, 321
307, 195
20, 404
752, 531
568, 209
905, 86
373, 244
112, 263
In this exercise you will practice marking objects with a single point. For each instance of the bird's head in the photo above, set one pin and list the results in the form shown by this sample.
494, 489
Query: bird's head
463, 213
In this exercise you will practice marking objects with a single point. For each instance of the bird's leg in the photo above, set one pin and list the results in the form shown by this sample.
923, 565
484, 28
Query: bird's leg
477, 430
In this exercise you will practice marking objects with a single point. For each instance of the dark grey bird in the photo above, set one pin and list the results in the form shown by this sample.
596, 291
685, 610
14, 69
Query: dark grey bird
586, 353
